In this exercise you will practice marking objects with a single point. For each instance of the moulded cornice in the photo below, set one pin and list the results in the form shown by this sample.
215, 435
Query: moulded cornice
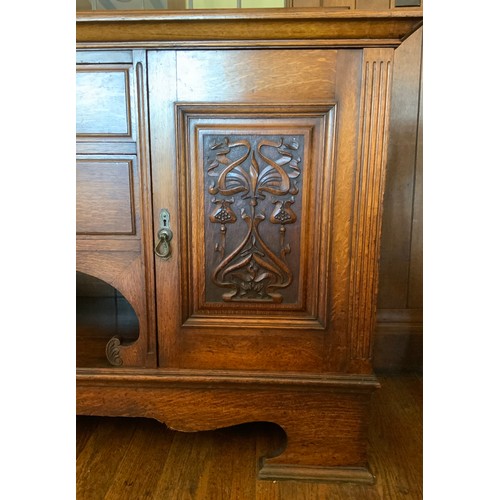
247, 27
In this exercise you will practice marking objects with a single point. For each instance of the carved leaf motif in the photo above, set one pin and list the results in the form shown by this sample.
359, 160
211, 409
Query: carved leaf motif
295, 169
254, 174
292, 145
270, 178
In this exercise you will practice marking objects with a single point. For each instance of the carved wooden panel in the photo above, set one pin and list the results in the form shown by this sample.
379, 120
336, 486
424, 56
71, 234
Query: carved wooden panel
253, 192
252, 201
105, 199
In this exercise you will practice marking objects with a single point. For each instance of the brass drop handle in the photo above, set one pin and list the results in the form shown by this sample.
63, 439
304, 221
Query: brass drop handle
165, 234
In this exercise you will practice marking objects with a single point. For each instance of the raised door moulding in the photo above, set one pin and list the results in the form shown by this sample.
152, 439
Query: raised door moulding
253, 198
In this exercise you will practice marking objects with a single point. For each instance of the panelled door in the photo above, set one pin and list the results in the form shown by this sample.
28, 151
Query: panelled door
253, 157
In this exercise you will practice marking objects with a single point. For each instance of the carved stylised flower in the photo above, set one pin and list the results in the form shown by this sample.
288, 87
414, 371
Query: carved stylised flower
282, 213
252, 282
223, 214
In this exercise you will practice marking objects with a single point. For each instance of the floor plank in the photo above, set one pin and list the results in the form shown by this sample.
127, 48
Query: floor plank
137, 475
127, 458
99, 460
396, 438
84, 430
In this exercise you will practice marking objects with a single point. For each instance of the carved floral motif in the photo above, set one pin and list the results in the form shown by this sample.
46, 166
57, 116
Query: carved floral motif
252, 270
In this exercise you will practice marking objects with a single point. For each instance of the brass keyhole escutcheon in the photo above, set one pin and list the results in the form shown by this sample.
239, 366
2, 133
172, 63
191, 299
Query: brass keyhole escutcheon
165, 235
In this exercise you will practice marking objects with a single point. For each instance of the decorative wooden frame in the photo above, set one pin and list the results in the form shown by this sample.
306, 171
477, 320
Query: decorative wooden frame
315, 121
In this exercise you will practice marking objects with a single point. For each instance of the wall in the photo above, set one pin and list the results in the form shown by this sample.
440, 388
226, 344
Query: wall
398, 341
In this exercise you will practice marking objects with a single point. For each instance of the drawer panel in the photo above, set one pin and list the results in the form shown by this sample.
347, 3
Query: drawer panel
105, 196
104, 56
103, 101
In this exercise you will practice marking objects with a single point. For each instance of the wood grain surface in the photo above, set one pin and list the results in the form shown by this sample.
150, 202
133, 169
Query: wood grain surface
104, 196
325, 418
226, 357
398, 337
114, 240
103, 101
251, 27
137, 458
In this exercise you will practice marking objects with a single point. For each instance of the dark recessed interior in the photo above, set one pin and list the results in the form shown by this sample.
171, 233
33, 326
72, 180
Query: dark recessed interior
102, 312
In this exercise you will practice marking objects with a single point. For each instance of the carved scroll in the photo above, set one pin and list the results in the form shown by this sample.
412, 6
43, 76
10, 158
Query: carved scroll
113, 351
252, 184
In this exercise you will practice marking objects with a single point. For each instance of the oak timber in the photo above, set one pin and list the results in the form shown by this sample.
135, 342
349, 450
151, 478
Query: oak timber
235, 345
131, 458
264, 27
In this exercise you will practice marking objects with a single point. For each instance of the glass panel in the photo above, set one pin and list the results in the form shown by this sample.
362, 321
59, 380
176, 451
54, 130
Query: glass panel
158, 4
215, 4
120, 4
262, 4
101, 313
86, 5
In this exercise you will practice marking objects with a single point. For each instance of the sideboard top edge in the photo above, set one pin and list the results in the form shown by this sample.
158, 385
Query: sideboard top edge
260, 26
244, 14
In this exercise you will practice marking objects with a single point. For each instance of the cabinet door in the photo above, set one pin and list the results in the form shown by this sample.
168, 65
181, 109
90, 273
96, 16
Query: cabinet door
254, 155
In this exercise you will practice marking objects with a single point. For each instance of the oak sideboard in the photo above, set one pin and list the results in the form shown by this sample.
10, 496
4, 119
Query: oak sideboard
230, 179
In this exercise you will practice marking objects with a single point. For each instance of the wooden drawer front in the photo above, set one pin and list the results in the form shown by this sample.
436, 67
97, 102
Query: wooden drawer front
105, 196
103, 101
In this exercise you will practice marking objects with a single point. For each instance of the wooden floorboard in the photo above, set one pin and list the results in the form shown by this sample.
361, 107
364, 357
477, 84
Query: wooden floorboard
135, 458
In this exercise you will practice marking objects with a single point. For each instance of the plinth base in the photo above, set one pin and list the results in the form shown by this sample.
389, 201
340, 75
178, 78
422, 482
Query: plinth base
325, 417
